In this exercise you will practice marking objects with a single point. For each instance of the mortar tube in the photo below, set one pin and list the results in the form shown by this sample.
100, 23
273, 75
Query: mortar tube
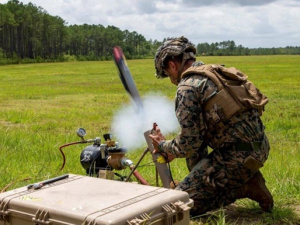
162, 168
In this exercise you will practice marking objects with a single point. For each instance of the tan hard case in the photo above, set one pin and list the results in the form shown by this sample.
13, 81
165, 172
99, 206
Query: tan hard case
83, 200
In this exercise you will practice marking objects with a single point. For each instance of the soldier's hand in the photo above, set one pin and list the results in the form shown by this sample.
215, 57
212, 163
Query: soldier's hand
156, 137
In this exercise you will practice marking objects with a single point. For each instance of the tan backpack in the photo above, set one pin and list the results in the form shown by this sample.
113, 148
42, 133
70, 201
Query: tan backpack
235, 92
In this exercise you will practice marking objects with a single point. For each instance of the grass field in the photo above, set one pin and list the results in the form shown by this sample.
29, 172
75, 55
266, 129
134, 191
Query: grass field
42, 106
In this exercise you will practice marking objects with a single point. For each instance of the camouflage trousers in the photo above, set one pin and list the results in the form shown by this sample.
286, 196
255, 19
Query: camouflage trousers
213, 181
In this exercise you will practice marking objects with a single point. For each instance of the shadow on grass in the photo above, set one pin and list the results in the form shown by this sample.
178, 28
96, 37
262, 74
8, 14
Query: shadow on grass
249, 213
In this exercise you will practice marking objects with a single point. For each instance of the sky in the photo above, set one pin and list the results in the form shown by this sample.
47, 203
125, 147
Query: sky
250, 23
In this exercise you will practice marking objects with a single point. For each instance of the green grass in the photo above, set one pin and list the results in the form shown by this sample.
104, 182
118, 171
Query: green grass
42, 105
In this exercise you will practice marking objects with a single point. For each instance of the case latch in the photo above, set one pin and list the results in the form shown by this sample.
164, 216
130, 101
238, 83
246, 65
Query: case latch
3, 212
181, 206
170, 214
144, 219
41, 217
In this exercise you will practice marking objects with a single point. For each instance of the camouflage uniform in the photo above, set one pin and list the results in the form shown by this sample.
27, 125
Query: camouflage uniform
214, 177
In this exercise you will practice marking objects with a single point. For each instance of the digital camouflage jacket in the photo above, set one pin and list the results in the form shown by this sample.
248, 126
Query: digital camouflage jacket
197, 128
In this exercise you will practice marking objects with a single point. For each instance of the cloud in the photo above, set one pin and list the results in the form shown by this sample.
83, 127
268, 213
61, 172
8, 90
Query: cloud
251, 23
194, 3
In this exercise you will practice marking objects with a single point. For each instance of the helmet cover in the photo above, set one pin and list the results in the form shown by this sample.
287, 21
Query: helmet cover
170, 48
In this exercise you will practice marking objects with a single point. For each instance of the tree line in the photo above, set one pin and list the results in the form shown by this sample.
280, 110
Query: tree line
29, 34
230, 48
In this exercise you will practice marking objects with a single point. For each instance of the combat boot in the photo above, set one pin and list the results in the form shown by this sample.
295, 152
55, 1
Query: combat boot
256, 190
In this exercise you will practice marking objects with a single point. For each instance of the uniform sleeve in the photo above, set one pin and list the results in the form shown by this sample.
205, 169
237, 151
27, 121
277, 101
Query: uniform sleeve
189, 115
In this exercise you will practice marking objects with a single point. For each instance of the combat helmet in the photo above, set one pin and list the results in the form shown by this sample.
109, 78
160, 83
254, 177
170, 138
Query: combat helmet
170, 48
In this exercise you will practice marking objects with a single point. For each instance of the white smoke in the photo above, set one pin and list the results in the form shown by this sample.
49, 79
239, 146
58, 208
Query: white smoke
129, 124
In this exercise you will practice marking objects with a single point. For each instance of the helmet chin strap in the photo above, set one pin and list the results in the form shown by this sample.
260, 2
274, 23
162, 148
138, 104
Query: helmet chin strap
186, 56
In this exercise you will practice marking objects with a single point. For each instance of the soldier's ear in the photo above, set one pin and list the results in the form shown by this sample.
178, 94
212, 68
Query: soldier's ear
172, 65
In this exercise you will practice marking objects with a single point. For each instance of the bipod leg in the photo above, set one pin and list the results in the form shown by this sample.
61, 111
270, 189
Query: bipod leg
134, 168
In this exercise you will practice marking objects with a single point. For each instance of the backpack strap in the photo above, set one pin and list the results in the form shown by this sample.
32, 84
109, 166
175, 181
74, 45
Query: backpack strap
206, 71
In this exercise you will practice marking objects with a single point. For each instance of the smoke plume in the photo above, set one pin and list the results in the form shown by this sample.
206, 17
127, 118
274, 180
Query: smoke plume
129, 123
